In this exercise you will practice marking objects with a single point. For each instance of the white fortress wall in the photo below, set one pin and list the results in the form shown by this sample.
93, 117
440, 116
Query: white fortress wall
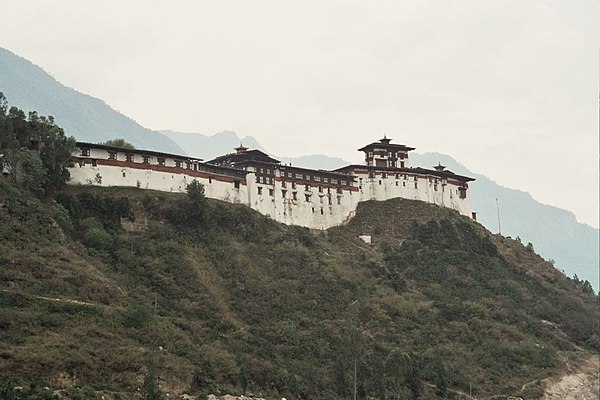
307, 198
98, 170
293, 204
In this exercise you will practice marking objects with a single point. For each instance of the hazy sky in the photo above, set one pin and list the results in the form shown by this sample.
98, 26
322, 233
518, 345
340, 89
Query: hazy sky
507, 87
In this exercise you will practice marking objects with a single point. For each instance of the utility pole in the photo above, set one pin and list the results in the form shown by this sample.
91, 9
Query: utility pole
498, 211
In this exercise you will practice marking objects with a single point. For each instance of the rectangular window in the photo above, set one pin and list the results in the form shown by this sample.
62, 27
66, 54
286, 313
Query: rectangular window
82, 162
283, 193
268, 171
307, 188
435, 187
298, 176
339, 200
384, 175
307, 197
112, 155
94, 163
404, 184
283, 184
401, 164
329, 199
294, 196
236, 184
320, 189
318, 178
416, 185
161, 160
85, 152
271, 192
178, 164
293, 185
259, 190
129, 157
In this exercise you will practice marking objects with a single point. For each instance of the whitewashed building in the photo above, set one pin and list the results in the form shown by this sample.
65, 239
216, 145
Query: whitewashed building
316, 199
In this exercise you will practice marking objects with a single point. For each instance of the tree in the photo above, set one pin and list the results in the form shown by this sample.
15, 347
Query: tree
150, 387
119, 143
28, 141
440, 380
197, 207
530, 246
243, 378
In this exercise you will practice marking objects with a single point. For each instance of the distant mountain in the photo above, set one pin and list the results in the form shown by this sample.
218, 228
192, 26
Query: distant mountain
554, 232
89, 119
211, 146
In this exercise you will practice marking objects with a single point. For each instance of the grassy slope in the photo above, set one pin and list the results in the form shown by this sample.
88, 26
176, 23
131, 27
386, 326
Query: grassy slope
295, 308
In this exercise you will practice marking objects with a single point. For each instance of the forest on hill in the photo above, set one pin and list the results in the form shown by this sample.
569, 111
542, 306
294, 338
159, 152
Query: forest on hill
127, 292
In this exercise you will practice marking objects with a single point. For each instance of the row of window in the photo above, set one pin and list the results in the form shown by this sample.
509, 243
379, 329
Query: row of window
307, 197
315, 178
264, 179
390, 154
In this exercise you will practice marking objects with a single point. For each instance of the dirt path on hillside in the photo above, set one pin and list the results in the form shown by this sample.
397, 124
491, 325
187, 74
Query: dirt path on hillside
54, 299
579, 383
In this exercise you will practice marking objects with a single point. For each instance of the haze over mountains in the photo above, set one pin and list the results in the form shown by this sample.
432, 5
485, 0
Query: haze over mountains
89, 119
555, 233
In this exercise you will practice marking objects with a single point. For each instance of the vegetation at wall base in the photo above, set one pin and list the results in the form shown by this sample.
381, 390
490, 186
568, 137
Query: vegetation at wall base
130, 292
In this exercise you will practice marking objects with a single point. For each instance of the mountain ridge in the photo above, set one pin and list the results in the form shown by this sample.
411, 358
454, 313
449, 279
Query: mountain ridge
30, 88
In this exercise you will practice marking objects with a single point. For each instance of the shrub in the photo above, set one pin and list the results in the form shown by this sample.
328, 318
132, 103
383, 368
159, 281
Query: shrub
97, 238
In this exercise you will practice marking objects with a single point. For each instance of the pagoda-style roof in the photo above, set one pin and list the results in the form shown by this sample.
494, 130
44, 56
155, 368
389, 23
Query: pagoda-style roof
385, 143
242, 154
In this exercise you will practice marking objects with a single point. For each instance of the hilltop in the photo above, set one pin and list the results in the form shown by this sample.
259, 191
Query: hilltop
114, 290
555, 233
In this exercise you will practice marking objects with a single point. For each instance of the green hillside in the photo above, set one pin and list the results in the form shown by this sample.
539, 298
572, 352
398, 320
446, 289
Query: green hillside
555, 232
115, 290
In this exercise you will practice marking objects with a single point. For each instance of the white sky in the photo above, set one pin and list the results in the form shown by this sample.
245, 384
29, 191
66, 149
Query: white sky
507, 87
